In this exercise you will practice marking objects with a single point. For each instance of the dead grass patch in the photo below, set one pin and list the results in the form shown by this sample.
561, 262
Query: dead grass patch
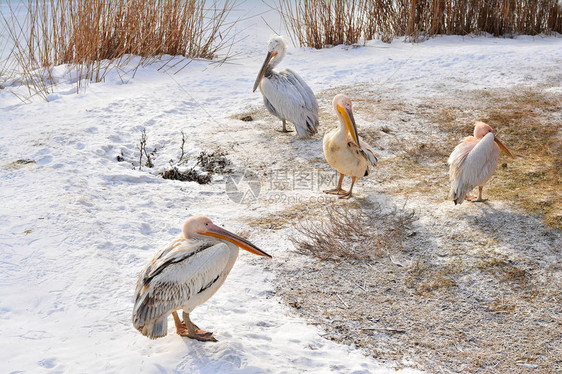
528, 122
475, 290
531, 181
504, 269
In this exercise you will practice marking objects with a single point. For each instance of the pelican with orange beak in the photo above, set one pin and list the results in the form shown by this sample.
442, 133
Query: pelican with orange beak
184, 275
344, 150
285, 94
473, 162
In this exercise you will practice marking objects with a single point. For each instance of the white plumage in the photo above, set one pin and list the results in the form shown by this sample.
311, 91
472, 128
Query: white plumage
184, 275
344, 150
285, 94
473, 162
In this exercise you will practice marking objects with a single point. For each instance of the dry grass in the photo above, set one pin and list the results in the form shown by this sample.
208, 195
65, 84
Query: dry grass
317, 24
360, 234
528, 122
477, 288
101, 35
473, 289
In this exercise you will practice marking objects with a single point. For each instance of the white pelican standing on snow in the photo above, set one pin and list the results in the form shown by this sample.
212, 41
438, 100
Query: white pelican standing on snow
473, 162
343, 149
285, 94
184, 275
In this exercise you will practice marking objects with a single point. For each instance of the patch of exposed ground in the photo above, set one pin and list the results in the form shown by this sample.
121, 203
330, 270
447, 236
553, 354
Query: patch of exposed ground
471, 288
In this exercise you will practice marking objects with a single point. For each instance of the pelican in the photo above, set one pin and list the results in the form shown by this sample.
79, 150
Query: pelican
285, 94
184, 275
343, 149
473, 162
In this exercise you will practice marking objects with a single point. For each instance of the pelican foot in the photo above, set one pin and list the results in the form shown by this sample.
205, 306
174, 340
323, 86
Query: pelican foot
479, 200
470, 198
336, 191
202, 336
285, 131
190, 330
346, 196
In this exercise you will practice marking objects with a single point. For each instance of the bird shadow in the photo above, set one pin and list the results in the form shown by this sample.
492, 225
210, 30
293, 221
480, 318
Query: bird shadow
523, 234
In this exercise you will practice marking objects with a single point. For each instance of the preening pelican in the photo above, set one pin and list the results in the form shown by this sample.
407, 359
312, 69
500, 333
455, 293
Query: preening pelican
343, 149
285, 94
184, 275
473, 162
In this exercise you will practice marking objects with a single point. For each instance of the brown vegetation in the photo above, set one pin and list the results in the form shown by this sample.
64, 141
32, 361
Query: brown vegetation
317, 24
101, 35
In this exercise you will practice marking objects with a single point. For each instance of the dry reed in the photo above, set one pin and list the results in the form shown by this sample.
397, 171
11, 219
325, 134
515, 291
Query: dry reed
96, 36
317, 24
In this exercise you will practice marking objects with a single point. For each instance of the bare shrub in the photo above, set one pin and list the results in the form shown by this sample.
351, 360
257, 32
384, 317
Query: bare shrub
347, 233
101, 35
143, 151
316, 23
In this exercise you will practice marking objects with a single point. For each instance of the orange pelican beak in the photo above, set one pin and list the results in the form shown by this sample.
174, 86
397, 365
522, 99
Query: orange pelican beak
503, 147
218, 232
349, 123
263, 69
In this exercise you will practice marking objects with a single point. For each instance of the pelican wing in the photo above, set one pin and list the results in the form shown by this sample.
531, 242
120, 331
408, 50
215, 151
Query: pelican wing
288, 97
176, 276
364, 150
472, 163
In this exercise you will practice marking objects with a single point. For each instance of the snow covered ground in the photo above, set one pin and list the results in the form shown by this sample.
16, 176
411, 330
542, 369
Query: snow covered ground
77, 226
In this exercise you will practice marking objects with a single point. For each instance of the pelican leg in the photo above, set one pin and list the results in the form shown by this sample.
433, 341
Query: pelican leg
348, 195
480, 199
285, 127
338, 190
190, 330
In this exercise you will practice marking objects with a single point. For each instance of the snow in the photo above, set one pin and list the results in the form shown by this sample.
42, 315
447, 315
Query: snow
78, 226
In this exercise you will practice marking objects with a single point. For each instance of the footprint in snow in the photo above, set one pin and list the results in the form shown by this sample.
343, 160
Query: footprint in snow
146, 229
48, 363
45, 160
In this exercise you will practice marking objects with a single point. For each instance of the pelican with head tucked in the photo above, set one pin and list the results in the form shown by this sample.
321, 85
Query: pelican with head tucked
344, 150
285, 94
184, 275
473, 162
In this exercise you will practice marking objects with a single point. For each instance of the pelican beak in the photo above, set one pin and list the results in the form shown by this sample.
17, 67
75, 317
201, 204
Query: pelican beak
503, 147
349, 123
263, 69
218, 232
